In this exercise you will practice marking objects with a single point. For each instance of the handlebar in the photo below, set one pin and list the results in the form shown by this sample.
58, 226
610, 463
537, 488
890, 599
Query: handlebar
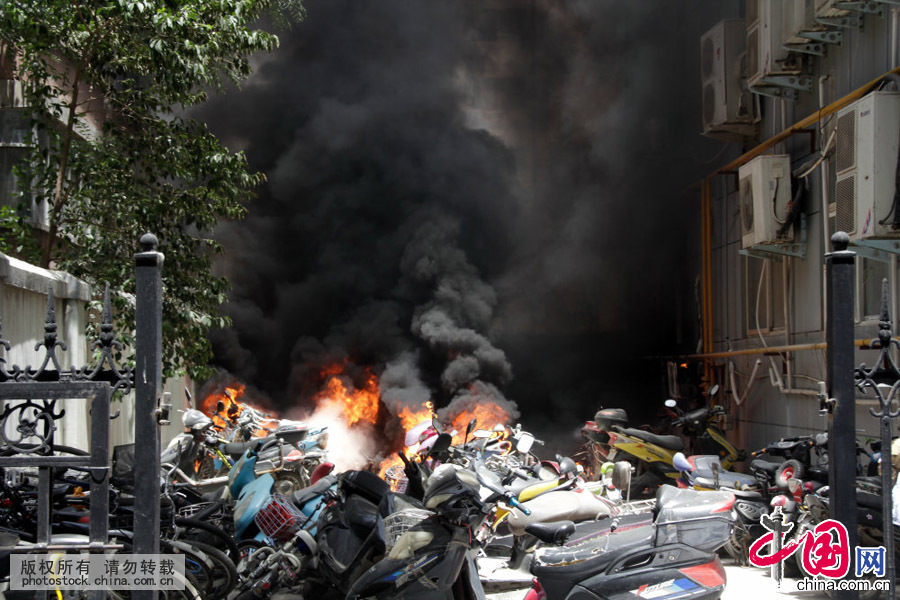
516, 504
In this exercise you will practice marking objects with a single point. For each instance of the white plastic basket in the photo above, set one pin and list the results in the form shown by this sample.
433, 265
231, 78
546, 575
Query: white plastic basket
398, 523
396, 478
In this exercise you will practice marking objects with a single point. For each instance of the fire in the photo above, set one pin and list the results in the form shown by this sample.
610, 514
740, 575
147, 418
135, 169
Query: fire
357, 405
486, 414
409, 418
230, 397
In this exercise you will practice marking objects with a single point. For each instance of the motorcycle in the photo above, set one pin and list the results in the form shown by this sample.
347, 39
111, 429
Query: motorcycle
673, 555
869, 530
256, 499
429, 544
609, 439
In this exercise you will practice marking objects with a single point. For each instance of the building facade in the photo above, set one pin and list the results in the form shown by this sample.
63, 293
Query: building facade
805, 98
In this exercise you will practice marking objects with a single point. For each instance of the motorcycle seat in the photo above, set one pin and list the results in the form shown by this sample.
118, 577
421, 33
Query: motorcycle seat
301, 497
765, 465
870, 481
580, 559
705, 470
552, 533
237, 449
670, 442
868, 500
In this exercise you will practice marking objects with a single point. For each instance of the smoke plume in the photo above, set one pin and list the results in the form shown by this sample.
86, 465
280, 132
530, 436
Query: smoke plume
460, 192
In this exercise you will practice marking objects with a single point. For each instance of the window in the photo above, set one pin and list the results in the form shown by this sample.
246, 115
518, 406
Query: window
870, 274
764, 282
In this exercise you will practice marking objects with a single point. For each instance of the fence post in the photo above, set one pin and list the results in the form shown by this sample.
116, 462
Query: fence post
147, 386
839, 292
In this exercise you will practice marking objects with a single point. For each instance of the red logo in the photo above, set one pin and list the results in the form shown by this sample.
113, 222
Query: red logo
822, 553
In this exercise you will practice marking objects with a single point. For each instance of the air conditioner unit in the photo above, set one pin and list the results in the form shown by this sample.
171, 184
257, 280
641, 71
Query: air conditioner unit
796, 16
764, 194
866, 155
763, 40
728, 107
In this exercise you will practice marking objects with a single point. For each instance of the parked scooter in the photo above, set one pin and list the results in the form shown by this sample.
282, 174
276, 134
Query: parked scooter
429, 544
675, 555
254, 494
610, 440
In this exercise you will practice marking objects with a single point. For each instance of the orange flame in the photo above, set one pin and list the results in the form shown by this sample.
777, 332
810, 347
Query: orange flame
486, 414
229, 397
355, 405
409, 418
232, 409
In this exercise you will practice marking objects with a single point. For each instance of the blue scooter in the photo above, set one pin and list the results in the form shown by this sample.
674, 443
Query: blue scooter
255, 503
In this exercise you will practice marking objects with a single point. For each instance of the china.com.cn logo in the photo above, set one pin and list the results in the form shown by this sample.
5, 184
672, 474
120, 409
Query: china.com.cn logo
825, 550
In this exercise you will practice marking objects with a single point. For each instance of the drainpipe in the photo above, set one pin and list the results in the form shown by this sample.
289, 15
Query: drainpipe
893, 281
823, 177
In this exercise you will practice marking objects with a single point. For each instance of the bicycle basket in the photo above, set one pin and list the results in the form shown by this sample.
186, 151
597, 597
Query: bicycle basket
189, 510
397, 479
279, 519
398, 523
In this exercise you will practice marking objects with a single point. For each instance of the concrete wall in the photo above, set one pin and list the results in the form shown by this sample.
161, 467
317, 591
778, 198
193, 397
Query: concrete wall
768, 413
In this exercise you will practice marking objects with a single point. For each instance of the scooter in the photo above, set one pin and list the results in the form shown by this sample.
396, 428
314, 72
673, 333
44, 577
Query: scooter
609, 439
429, 543
751, 503
256, 499
672, 556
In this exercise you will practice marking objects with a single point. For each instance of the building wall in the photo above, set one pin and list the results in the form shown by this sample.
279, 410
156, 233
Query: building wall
759, 410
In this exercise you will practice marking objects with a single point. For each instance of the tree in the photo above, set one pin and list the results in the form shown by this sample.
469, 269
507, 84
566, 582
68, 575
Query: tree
112, 155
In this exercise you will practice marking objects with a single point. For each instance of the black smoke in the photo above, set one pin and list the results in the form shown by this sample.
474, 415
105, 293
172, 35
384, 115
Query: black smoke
477, 198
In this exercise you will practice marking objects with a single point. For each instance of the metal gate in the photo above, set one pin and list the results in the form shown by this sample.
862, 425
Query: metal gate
29, 401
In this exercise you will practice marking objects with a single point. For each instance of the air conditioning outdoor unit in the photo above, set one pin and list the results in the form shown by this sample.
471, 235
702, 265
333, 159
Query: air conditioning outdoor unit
866, 155
728, 107
796, 16
764, 193
764, 41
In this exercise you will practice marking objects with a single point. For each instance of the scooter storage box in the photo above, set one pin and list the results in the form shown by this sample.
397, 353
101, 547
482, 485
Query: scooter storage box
368, 485
607, 417
702, 520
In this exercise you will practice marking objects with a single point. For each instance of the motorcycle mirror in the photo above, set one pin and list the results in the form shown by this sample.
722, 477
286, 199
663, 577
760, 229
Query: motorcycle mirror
671, 403
437, 425
680, 462
469, 429
526, 441
189, 398
220, 406
713, 390
442, 443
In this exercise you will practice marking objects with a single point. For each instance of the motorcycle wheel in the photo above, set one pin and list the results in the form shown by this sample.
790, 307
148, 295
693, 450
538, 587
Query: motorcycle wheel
737, 543
789, 469
287, 483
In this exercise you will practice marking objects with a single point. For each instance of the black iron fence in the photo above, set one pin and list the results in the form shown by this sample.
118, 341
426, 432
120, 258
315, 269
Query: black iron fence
29, 399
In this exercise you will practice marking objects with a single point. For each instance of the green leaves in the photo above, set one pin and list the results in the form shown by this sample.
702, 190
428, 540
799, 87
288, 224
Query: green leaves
123, 68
